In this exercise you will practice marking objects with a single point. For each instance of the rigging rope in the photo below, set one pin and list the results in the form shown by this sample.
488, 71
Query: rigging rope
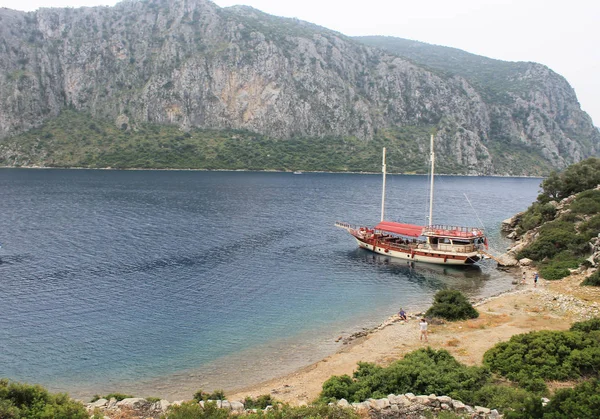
476, 215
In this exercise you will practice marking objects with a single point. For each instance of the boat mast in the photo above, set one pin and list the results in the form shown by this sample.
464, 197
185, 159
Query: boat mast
383, 170
432, 159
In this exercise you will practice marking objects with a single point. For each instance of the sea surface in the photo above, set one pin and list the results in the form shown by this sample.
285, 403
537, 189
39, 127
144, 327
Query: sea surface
160, 283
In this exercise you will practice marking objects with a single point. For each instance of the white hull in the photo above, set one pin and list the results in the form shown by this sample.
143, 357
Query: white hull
424, 255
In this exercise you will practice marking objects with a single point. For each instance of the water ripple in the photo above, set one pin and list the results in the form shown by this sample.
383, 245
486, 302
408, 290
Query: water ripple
114, 279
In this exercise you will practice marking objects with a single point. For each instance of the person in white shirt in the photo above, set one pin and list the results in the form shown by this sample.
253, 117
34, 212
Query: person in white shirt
423, 327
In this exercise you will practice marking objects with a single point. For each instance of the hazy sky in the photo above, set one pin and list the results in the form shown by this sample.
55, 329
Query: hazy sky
563, 35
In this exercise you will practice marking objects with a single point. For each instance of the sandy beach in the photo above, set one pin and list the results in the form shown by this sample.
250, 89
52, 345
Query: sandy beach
552, 305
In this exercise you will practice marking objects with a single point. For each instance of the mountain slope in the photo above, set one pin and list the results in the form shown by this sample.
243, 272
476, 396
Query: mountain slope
191, 64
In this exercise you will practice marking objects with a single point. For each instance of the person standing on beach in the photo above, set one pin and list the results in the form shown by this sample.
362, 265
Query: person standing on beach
536, 276
523, 279
423, 328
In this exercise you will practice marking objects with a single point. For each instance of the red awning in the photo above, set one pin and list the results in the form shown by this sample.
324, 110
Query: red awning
410, 230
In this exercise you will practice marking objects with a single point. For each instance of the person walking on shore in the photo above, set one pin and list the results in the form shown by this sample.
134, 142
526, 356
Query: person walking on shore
536, 276
523, 279
423, 328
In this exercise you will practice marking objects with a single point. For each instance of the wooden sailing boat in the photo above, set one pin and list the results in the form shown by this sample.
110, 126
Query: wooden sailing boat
439, 244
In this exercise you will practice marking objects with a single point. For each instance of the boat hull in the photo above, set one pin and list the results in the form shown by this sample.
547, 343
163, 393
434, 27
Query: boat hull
420, 254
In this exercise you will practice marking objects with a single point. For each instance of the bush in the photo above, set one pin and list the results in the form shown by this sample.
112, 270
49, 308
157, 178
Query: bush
530, 358
215, 395
590, 228
554, 237
32, 401
307, 412
261, 402
560, 245
581, 402
502, 397
192, 410
592, 280
586, 326
558, 267
576, 178
451, 305
117, 396
553, 272
587, 202
424, 371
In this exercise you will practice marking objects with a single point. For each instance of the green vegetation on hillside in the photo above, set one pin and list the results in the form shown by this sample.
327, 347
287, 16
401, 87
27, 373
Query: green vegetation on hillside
563, 240
592, 280
576, 178
493, 78
75, 140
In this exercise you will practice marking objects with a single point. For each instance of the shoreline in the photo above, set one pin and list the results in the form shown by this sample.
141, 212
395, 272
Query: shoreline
134, 169
521, 309
249, 368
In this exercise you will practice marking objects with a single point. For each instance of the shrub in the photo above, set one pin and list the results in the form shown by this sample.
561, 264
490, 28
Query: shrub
553, 272
117, 396
215, 395
424, 371
555, 237
451, 305
592, 280
558, 267
192, 410
587, 202
586, 326
576, 178
585, 206
502, 397
533, 357
307, 412
590, 228
260, 402
581, 402
33, 401
530, 220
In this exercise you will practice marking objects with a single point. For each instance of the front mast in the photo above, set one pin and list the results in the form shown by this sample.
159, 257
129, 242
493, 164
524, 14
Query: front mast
383, 170
432, 158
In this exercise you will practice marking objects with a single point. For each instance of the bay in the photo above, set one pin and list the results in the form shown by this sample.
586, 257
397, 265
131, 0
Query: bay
159, 283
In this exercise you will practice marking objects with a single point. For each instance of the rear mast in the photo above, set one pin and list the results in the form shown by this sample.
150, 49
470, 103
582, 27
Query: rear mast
432, 159
383, 170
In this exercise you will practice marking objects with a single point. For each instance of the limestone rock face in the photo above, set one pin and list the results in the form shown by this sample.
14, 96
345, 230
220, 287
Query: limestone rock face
193, 64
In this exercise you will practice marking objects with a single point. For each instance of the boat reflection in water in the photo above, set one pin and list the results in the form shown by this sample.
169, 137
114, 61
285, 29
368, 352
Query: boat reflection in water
468, 279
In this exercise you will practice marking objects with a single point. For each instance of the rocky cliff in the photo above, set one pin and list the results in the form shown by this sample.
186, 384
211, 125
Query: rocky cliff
192, 64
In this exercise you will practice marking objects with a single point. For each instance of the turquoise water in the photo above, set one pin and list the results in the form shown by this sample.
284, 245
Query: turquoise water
160, 283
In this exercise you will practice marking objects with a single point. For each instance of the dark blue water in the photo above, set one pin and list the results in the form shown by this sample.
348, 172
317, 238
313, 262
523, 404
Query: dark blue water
161, 283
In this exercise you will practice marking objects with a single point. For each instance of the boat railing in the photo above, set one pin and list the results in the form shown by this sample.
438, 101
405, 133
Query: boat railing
353, 228
453, 231
344, 225
445, 247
